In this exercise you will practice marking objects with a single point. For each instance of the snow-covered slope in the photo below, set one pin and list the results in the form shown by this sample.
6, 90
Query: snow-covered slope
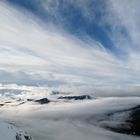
10, 132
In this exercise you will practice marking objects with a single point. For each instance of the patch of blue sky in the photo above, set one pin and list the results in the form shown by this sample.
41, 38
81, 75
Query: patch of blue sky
73, 20
70, 18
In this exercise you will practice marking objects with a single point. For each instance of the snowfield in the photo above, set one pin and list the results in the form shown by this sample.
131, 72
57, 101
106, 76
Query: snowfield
10, 132
53, 115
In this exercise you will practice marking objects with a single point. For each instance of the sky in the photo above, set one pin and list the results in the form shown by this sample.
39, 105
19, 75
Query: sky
73, 43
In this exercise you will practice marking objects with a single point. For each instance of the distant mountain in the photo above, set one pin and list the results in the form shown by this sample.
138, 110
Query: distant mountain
82, 97
43, 101
130, 125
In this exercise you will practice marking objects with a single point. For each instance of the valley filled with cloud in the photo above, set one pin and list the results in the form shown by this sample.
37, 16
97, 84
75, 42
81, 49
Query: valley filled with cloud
69, 69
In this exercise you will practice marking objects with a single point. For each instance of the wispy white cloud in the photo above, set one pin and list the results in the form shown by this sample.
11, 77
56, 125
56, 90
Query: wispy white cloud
50, 54
127, 12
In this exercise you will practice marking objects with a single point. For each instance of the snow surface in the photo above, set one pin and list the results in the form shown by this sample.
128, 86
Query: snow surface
10, 132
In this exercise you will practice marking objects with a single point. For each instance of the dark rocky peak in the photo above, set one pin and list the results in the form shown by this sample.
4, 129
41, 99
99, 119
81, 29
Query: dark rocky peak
81, 97
43, 101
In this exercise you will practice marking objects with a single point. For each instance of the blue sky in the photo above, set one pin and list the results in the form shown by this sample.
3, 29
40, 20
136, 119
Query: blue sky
72, 19
70, 42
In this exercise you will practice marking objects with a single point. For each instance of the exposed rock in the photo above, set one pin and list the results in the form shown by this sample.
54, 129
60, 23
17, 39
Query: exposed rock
82, 97
30, 100
7, 102
18, 136
131, 125
23, 137
135, 121
1, 105
21, 103
43, 101
55, 93
28, 137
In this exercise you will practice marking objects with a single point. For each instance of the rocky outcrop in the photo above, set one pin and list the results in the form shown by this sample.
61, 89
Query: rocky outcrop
43, 101
82, 97
23, 137
40, 101
131, 124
